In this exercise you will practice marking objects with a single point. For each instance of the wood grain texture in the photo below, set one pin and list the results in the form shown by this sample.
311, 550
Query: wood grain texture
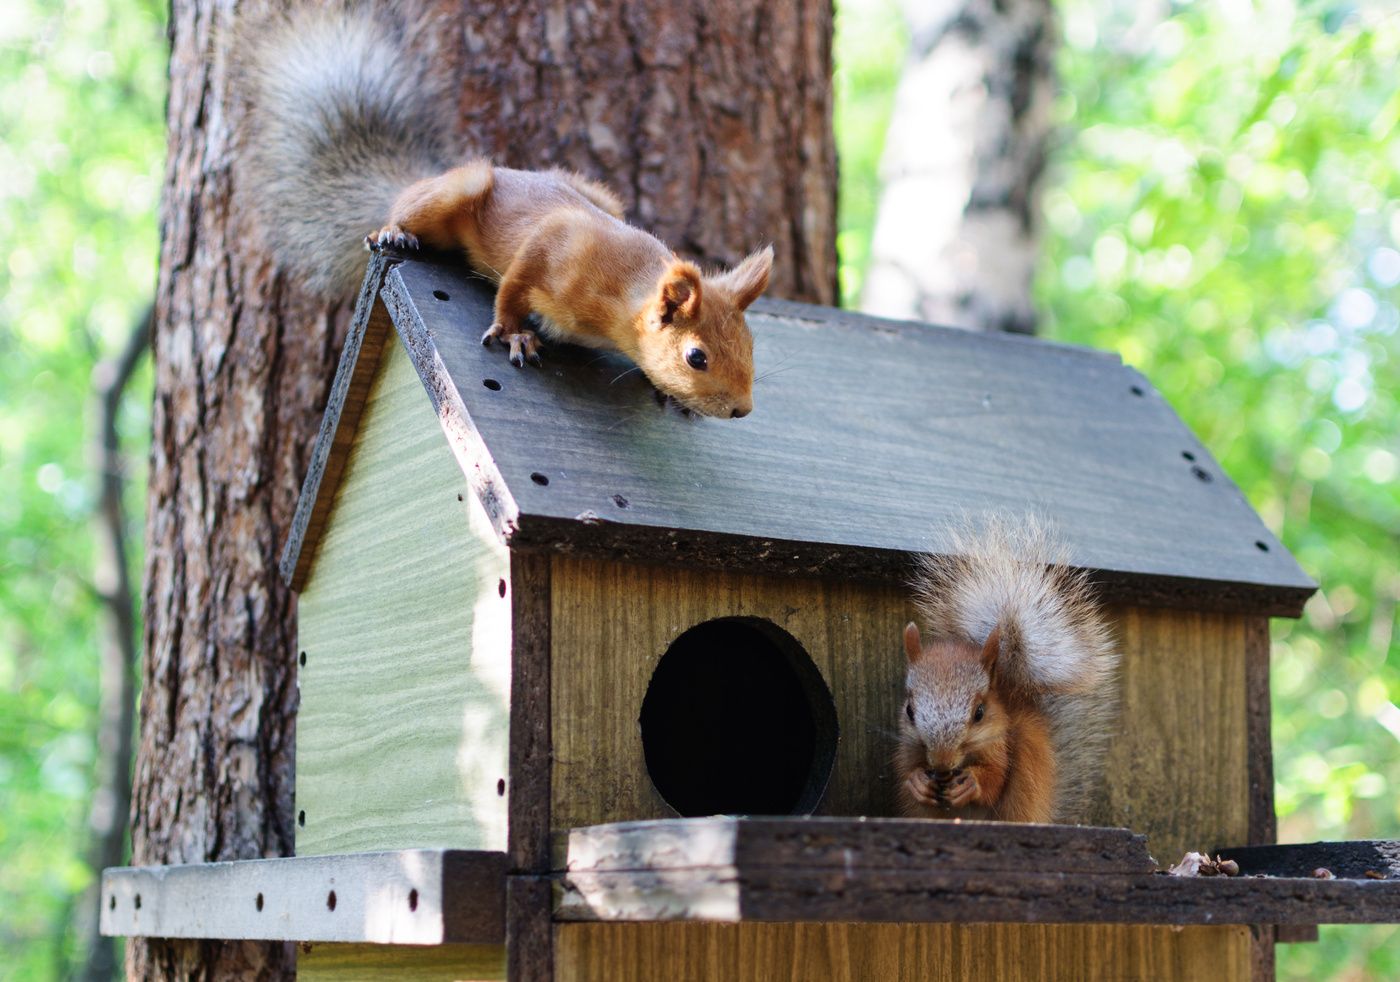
729, 893
899, 953
872, 437
403, 729
613, 622
530, 746
376, 963
1177, 766
529, 929
358, 361
845, 844
1263, 821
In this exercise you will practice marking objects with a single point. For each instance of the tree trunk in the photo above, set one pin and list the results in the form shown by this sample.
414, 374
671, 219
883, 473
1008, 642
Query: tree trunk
713, 122
956, 235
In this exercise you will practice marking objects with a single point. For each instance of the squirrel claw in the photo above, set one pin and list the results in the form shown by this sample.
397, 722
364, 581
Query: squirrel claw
524, 346
924, 790
962, 790
392, 235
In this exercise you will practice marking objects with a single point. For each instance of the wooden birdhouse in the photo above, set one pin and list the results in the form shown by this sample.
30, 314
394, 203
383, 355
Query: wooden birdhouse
591, 690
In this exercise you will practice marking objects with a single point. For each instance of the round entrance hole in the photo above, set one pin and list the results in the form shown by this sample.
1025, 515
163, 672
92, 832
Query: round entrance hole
738, 721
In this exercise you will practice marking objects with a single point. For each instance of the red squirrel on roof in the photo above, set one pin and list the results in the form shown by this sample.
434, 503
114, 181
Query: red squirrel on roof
344, 144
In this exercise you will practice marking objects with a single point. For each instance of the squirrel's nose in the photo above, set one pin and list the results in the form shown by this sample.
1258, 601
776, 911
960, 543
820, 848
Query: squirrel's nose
742, 409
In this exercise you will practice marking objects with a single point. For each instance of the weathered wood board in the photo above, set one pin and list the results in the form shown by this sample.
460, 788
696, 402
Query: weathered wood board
1176, 769
1177, 766
403, 730
891, 896
899, 953
410, 897
901, 870
839, 471
843, 844
380, 963
354, 375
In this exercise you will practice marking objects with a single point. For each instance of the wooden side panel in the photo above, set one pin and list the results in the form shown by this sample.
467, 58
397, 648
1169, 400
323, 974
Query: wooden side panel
899, 953
377, 962
403, 730
1178, 761
612, 624
1177, 768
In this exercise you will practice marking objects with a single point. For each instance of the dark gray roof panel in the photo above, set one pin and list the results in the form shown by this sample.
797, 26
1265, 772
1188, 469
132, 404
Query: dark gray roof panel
867, 437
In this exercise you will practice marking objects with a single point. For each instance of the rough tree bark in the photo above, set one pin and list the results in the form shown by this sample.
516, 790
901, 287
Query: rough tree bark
713, 121
956, 235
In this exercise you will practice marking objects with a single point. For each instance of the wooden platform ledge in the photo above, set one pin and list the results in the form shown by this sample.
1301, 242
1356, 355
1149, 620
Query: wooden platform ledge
417, 897
892, 870
760, 869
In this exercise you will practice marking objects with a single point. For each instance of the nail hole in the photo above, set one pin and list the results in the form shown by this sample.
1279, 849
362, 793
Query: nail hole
330, 900
491, 384
501, 787
501, 588
441, 295
1201, 475
301, 819
1188, 455
301, 659
620, 501
1262, 546
112, 902
413, 900
459, 497
1136, 390
138, 901
540, 479
260, 902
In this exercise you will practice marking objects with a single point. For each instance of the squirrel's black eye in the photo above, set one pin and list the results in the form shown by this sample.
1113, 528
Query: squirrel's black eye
909, 711
977, 716
695, 358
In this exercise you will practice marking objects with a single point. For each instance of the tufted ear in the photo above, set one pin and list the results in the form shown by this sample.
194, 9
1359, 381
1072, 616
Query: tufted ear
749, 279
912, 648
679, 291
991, 651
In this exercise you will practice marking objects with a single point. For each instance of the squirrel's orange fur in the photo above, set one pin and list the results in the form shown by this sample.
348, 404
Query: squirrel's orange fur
998, 765
558, 248
1007, 705
347, 134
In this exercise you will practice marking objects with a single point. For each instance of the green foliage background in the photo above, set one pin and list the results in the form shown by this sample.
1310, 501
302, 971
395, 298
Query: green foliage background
82, 90
1223, 209
1224, 214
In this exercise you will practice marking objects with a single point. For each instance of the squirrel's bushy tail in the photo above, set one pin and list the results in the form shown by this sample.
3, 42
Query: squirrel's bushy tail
344, 110
1056, 646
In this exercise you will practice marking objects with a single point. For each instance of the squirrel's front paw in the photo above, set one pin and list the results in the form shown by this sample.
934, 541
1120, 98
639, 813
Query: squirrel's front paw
923, 788
962, 789
524, 345
391, 235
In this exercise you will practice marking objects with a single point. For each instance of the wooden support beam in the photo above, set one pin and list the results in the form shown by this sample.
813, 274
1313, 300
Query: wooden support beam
412, 897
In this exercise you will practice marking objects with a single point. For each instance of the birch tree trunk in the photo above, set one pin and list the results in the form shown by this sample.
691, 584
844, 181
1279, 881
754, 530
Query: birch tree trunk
712, 120
956, 234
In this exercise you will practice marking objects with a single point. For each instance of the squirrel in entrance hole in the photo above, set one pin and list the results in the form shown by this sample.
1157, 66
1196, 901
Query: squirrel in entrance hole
1008, 703
344, 147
